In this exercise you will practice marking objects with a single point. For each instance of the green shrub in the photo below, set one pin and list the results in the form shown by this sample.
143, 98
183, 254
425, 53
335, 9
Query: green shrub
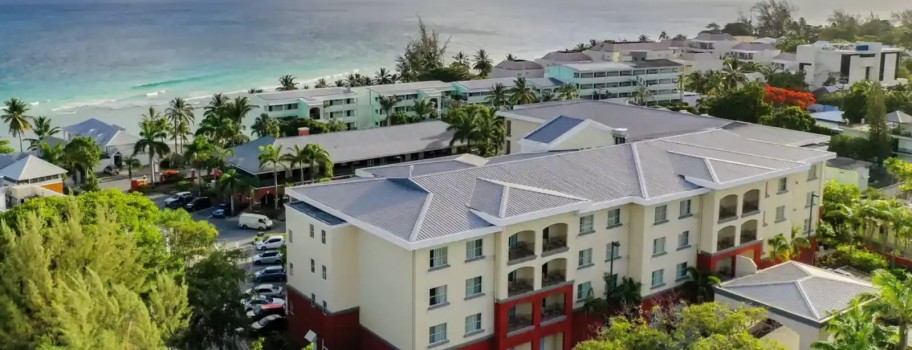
145, 189
183, 185
859, 258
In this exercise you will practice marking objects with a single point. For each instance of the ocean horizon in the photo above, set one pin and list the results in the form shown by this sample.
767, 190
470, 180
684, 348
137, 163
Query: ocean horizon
74, 59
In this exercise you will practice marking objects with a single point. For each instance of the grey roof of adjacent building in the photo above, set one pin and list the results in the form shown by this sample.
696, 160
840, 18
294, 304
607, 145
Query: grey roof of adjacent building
847, 163
486, 84
661, 62
104, 134
798, 291
421, 85
436, 205
566, 56
899, 117
616, 46
709, 36
443, 164
753, 47
24, 166
545, 82
316, 213
356, 145
553, 129
786, 56
518, 65
304, 94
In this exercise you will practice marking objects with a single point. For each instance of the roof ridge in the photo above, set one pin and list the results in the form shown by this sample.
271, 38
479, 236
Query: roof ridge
639, 169
739, 153
532, 189
763, 141
712, 171
804, 296
419, 223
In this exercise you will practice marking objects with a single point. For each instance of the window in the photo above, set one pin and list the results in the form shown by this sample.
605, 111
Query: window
812, 172
473, 286
474, 249
681, 271
323, 236
661, 214
438, 257
685, 208
311, 231
473, 323
583, 290
586, 224
290, 236
324, 271
658, 246
658, 278
783, 185
614, 217
438, 334
614, 251
313, 266
585, 257
809, 200
684, 239
780, 213
438, 295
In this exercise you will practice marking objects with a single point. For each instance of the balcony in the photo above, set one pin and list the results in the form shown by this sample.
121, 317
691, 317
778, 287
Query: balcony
553, 307
748, 232
751, 202
728, 208
521, 250
554, 272
554, 239
726, 238
521, 246
520, 281
519, 317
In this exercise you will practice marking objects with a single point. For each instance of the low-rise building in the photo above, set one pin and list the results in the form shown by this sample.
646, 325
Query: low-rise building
115, 142
501, 253
848, 63
24, 176
848, 171
621, 80
757, 52
478, 91
518, 68
334, 103
436, 92
626, 51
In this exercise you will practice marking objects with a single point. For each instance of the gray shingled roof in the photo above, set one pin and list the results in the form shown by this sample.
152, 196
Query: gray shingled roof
753, 47
24, 166
609, 46
305, 94
708, 36
104, 134
518, 65
566, 56
421, 85
797, 291
316, 213
356, 145
899, 117
443, 164
553, 129
657, 63
503, 200
786, 56
486, 84
646, 170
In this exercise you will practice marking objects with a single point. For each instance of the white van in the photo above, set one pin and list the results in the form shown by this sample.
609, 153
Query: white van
254, 221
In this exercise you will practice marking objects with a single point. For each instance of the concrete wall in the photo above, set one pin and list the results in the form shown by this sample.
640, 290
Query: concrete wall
388, 300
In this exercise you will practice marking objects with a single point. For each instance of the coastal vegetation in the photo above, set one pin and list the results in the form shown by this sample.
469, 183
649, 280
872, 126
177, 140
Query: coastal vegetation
478, 127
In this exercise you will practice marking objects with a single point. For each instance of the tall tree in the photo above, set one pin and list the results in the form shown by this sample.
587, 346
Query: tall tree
856, 329
521, 93
383, 77
733, 74
462, 123
150, 141
180, 115
237, 109
5, 147
231, 183
773, 18
881, 143
42, 129
265, 125
199, 153
424, 109
51, 154
321, 83
287, 83
270, 155
893, 302
131, 162
387, 103
785, 249
567, 92
483, 63
212, 290
490, 131
81, 155
461, 58
14, 115
499, 96
315, 156
422, 54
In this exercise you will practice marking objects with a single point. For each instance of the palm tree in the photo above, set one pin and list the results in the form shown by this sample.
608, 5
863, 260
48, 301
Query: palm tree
387, 103
580, 47
627, 292
663, 36
483, 63
733, 74
180, 115
231, 183
150, 141
498, 97
287, 83
644, 38
131, 162
424, 109
81, 155
51, 154
857, 328
785, 249
214, 108
265, 125
462, 124
489, 131
199, 153
42, 129
321, 83
567, 92
642, 95
700, 283
296, 157
14, 115
893, 302
461, 58
510, 57
339, 83
521, 93
317, 157
546, 96
383, 77
237, 109
270, 154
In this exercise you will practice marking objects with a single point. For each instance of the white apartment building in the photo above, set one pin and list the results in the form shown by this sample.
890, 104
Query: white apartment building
437, 92
620, 80
758, 52
849, 63
500, 253
318, 104
478, 91
518, 68
623, 51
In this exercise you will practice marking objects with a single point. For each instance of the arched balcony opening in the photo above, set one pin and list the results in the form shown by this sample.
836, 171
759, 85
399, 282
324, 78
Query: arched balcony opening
519, 316
728, 207
726, 238
521, 245
554, 272
553, 306
751, 202
748, 232
554, 239
520, 280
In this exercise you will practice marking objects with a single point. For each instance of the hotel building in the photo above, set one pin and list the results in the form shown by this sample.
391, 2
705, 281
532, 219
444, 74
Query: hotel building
478, 91
620, 80
500, 253
437, 92
318, 104
849, 63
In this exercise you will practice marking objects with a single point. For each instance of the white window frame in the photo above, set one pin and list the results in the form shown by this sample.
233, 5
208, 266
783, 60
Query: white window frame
323, 236
660, 273
612, 253
474, 249
471, 286
681, 273
658, 246
583, 290
439, 293
438, 257
782, 185
683, 239
685, 204
780, 213
324, 272
437, 334
473, 323
587, 224
664, 217
614, 217
584, 257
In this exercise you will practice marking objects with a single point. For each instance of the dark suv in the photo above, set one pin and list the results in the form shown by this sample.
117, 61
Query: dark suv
198, 204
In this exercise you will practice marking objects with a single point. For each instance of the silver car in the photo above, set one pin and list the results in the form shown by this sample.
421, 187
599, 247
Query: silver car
268, 257
267, 289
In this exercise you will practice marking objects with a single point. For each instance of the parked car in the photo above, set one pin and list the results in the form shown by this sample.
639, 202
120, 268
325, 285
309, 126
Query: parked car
257, 300
268, 257
268, 324
111, 170
270, 274
271, 242
178, 199
198, 204
266, 310
268, 290
220, 211
254, 221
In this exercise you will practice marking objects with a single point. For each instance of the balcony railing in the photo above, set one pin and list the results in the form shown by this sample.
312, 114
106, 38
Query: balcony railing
521, 250
552, 311
554, 244
519, 286
726, 213
725, 243
750, 207
519, 322
748, 236
553, 277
